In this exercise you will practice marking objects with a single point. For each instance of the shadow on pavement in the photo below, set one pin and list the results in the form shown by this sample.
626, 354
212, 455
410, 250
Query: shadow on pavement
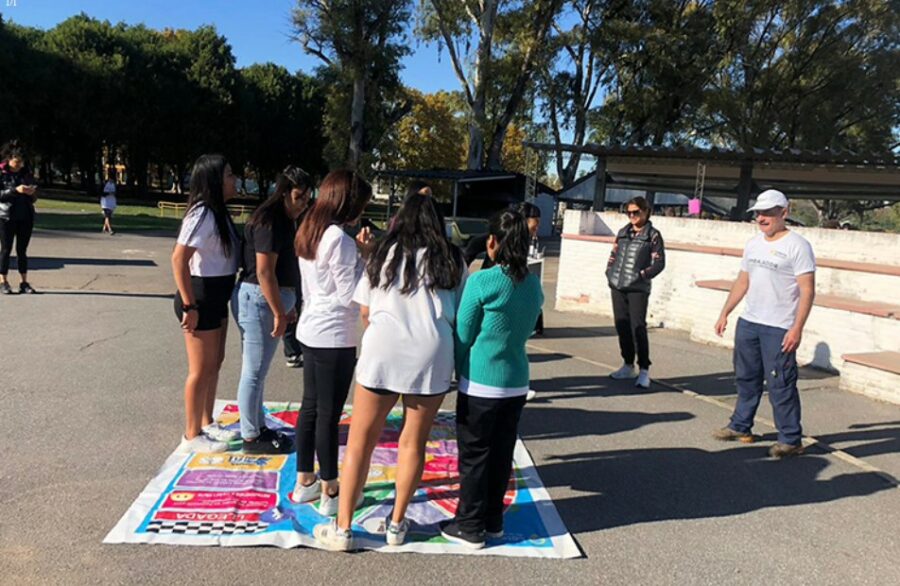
560, 422
46, 263
645, 485
574, 332
111, 294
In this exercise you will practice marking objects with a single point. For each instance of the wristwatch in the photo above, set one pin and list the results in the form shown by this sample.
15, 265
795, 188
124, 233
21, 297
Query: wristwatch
189, 307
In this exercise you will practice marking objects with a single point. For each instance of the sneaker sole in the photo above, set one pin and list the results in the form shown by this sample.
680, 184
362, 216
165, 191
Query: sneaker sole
396, 540
494, 534
461, 541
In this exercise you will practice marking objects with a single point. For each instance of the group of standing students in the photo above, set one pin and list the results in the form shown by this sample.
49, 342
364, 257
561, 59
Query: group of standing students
424, 318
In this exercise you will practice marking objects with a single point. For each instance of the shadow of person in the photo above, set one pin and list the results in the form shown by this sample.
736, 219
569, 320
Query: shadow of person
822, 358
558, 423
626, 487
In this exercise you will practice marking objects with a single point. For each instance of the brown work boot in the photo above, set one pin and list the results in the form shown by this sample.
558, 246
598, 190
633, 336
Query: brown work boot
780, 450
726, 434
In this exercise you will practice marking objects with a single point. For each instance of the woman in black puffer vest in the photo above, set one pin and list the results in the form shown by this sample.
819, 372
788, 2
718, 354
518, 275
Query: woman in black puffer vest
637, 257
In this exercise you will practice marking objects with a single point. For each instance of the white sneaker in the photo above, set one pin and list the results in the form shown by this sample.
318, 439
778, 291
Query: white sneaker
332, 538
531, 394
627, 371
396, 532
217, 432
328, 505
305, 494
643, 379
201, 443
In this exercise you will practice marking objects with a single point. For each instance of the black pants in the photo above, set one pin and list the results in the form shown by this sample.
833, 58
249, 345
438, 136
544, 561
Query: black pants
486, 438
291, 346
630, 313
327, 374
20, 231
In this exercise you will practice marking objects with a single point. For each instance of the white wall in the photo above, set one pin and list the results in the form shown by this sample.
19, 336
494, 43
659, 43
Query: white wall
677, 303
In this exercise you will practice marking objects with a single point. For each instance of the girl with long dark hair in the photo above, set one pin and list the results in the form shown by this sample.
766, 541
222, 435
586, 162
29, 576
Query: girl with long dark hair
495, 318
263, 301
638, 255
17, 195
330, 267
204, 264
408, 299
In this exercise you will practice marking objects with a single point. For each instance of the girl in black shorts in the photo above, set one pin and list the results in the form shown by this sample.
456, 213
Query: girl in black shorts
204, 264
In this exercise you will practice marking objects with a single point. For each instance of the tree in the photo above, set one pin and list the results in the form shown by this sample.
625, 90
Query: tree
276, 112
820, 74
504, 46
662, 57
570, 79
361, 43
432, 135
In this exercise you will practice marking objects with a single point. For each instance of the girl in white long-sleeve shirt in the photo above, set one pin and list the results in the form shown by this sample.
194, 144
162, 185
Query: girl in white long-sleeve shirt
330, 267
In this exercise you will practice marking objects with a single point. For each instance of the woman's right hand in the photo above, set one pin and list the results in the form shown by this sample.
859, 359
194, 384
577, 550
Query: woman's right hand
189, 320
25, 189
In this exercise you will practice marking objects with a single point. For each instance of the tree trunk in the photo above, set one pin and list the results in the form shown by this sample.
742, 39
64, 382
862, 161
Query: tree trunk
357, 114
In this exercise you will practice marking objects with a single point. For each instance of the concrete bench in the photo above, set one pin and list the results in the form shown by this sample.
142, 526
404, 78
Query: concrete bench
877, 309
874, 374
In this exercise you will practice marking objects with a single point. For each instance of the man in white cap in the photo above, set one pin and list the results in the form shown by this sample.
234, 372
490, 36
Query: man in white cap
778, 280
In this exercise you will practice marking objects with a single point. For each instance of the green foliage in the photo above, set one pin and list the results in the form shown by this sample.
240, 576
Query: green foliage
86, 90
360, 44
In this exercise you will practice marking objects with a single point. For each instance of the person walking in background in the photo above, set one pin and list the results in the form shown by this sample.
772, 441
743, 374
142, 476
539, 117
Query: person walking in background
17, 195
204, 264
637, 257
330, 267
408, 299
108, 204
777, 278
263, 302
496, 316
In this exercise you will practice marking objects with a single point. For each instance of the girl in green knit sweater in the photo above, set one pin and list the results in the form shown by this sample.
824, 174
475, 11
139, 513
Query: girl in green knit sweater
496, 316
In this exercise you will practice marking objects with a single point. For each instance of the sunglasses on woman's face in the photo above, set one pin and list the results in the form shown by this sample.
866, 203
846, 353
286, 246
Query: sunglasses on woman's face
632, 213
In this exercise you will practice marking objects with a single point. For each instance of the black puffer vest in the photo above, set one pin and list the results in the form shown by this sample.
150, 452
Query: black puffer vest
632, 255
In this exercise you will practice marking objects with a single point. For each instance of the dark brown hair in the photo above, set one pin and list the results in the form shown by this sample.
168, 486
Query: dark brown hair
641, 203
343, 196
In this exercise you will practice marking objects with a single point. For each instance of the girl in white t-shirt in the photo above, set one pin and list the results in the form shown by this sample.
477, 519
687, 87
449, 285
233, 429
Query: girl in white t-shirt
330, 266
108, 205
408, 298
204, 264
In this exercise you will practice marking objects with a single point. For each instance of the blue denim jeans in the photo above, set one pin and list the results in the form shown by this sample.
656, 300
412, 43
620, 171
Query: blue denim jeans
757, 358
255, 321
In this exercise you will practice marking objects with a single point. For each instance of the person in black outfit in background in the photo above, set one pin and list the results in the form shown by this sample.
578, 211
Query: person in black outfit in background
477, 245
17, 195
638, 255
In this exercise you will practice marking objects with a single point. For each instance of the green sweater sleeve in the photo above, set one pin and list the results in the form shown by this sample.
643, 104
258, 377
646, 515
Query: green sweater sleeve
468, 320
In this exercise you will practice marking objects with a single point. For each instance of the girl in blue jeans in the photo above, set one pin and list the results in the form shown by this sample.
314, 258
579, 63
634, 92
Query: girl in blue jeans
264, 301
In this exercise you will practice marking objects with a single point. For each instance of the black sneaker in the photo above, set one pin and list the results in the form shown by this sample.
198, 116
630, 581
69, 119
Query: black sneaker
451, 531
5, 289
268, 442
25, 288
295, 361
493, 530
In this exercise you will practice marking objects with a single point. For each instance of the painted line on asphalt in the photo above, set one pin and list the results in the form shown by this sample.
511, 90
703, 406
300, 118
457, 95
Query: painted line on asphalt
807, 440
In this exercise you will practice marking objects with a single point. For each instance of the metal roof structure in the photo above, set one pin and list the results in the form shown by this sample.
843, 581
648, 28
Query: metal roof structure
740, 174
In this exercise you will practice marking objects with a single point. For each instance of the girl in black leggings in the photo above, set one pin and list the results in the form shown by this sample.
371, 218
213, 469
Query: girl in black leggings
17, 195
330, 267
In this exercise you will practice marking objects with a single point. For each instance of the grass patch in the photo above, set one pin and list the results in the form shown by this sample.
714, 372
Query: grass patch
94, 222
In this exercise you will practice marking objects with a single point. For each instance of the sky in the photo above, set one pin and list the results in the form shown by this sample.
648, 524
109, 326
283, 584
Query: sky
258, 30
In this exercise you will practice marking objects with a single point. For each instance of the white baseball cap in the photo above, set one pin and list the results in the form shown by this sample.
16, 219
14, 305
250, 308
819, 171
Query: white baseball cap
768, 199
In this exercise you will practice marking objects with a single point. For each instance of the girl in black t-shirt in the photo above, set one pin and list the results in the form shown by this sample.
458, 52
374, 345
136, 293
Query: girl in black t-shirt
264, 301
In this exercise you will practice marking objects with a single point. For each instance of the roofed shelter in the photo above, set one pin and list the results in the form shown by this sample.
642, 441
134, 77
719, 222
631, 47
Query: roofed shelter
740, 174
475, 194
